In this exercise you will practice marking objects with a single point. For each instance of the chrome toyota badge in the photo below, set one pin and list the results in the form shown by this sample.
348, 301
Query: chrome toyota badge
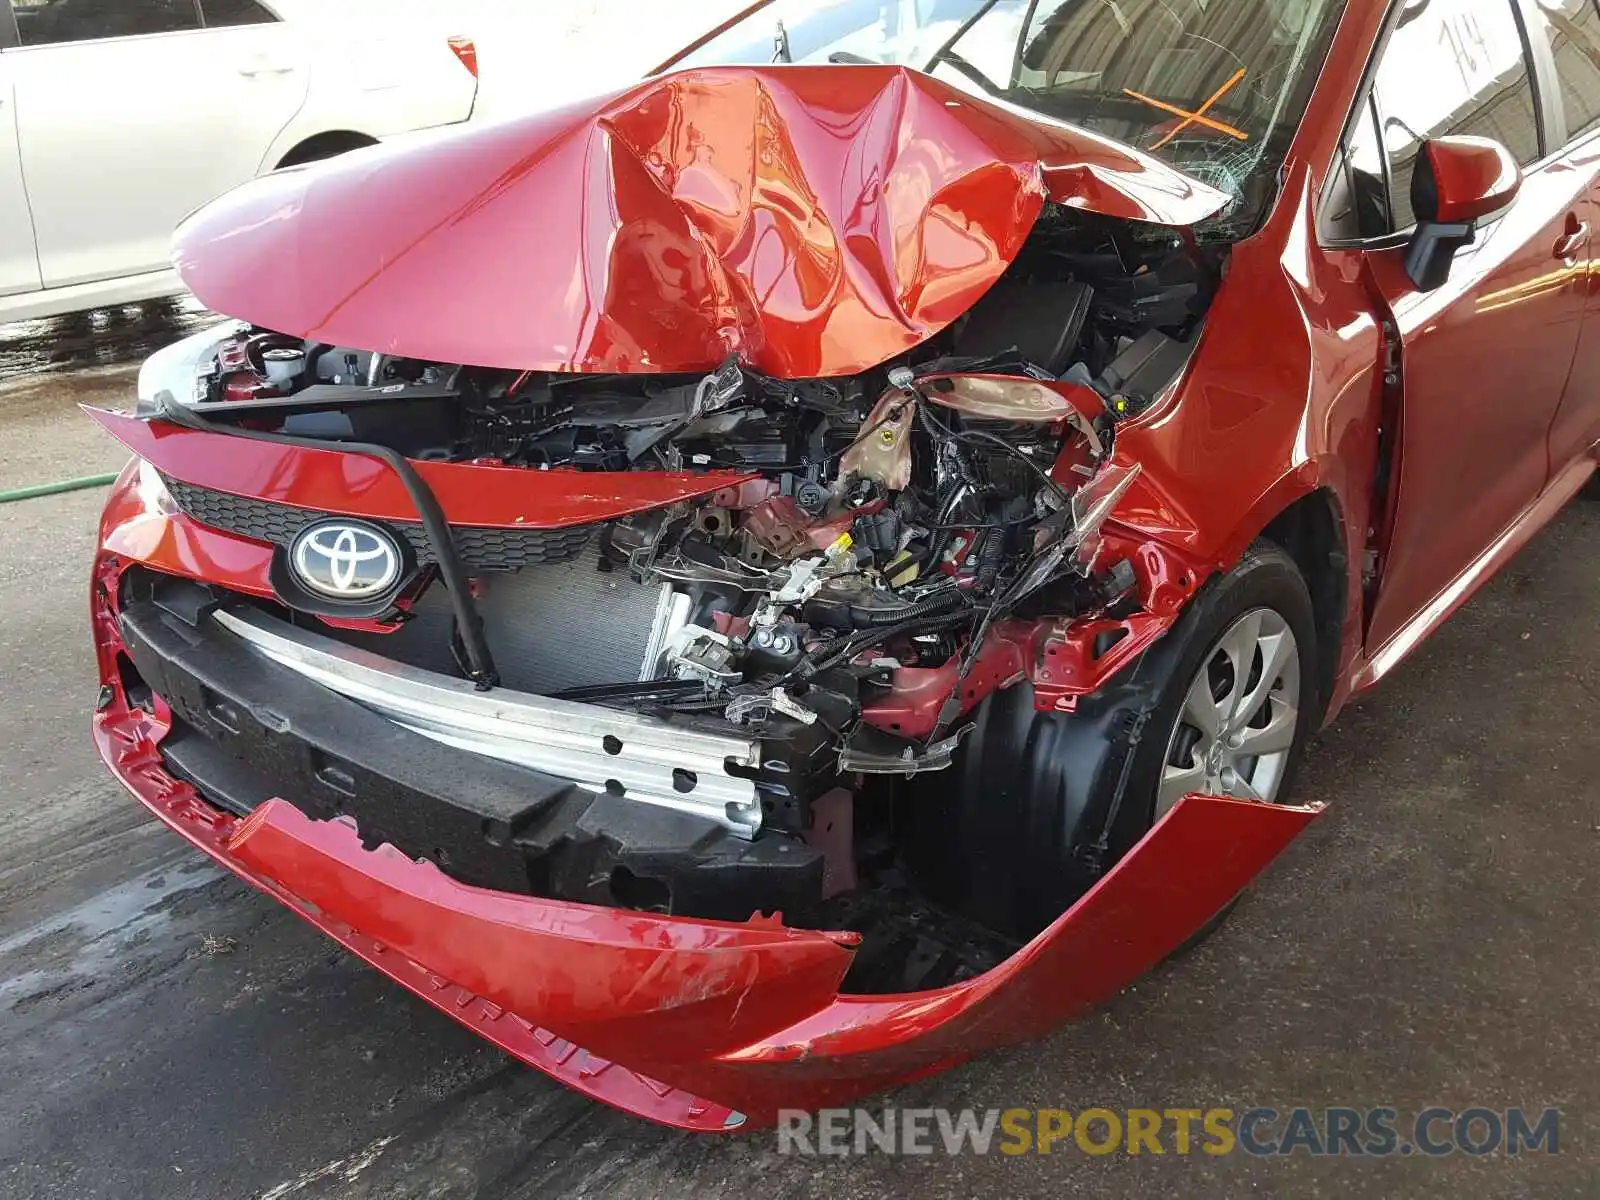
345, 560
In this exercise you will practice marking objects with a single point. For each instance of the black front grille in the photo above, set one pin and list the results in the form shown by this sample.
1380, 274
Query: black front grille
480, 549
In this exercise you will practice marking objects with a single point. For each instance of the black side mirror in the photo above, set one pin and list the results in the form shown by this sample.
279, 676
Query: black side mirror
1457, 182
1432, 249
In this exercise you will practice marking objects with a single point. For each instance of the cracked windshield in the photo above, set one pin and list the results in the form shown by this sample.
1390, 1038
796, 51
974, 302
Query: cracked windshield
1215, 87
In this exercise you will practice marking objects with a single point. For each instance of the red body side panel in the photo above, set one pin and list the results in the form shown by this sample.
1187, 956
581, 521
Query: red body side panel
813, 220
1487, 359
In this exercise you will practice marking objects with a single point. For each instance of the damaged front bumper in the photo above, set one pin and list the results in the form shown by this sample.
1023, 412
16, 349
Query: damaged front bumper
700, 1024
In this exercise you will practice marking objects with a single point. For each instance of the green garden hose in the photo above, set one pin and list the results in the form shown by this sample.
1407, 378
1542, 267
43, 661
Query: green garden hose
57, 489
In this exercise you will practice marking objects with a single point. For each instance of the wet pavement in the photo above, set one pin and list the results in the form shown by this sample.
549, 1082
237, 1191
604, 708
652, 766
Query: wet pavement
1434, 938
102, 338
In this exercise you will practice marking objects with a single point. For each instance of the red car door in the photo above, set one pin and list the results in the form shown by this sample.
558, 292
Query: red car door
1485, 357
1571, 29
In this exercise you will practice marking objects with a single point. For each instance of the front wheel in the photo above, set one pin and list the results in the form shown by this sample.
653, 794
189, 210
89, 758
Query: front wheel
1240, 716
1013, 833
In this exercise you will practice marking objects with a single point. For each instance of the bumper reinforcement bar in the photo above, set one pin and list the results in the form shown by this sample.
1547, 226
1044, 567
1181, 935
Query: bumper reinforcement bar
651, 761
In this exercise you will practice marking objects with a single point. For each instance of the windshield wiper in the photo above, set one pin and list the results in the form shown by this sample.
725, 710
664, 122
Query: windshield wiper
944, 53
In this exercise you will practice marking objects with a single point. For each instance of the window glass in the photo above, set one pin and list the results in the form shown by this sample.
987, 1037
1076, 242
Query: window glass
1573, 27
1453, 66
815, 30
1215, 87
220, 13
49, 22
1368, 186
1358, 206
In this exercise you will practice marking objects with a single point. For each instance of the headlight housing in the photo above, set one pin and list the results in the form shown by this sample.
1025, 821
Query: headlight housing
180, 373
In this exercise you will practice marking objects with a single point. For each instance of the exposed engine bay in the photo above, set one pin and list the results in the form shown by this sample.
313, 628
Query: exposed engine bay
888, 514
878, 532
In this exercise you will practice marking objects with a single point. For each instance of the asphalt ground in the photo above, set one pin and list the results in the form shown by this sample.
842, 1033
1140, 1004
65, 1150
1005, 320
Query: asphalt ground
1432, 939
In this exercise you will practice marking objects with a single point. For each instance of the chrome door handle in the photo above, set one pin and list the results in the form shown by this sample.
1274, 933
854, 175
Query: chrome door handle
1571, 243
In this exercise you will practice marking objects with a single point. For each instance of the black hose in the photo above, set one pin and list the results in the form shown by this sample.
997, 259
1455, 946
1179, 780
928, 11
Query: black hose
932, 606
943, 528
827, 655
856, 617
990, 554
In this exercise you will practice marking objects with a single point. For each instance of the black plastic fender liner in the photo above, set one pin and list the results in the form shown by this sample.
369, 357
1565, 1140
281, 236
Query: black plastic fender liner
1005, 836
469, 623
1037, 805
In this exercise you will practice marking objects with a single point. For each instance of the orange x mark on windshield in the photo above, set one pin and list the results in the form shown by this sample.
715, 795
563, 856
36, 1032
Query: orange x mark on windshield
1197, 117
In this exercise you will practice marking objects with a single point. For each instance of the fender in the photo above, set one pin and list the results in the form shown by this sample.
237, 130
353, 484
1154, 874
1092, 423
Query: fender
1232, 448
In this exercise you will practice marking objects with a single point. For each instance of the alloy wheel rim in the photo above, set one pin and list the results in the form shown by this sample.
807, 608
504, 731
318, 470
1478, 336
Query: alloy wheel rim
1239, 717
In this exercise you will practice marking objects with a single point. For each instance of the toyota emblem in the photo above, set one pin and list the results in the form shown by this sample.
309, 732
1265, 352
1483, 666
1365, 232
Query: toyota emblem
344, 560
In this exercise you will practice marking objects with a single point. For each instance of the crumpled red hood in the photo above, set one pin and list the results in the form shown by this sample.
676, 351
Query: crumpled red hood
813, 220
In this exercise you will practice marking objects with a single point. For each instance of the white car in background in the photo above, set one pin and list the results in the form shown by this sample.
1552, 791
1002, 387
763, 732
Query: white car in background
120, 117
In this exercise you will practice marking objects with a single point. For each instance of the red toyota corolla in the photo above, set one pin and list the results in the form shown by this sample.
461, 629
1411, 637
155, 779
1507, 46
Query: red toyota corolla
770, 582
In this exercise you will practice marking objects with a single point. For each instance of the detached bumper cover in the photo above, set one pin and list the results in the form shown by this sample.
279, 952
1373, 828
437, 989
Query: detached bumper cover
699, 1024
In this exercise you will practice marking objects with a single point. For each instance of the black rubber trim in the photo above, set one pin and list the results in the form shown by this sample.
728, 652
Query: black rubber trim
469, 623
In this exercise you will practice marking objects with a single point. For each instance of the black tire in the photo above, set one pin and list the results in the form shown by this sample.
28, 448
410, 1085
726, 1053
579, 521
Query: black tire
1007, 836
323, 147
